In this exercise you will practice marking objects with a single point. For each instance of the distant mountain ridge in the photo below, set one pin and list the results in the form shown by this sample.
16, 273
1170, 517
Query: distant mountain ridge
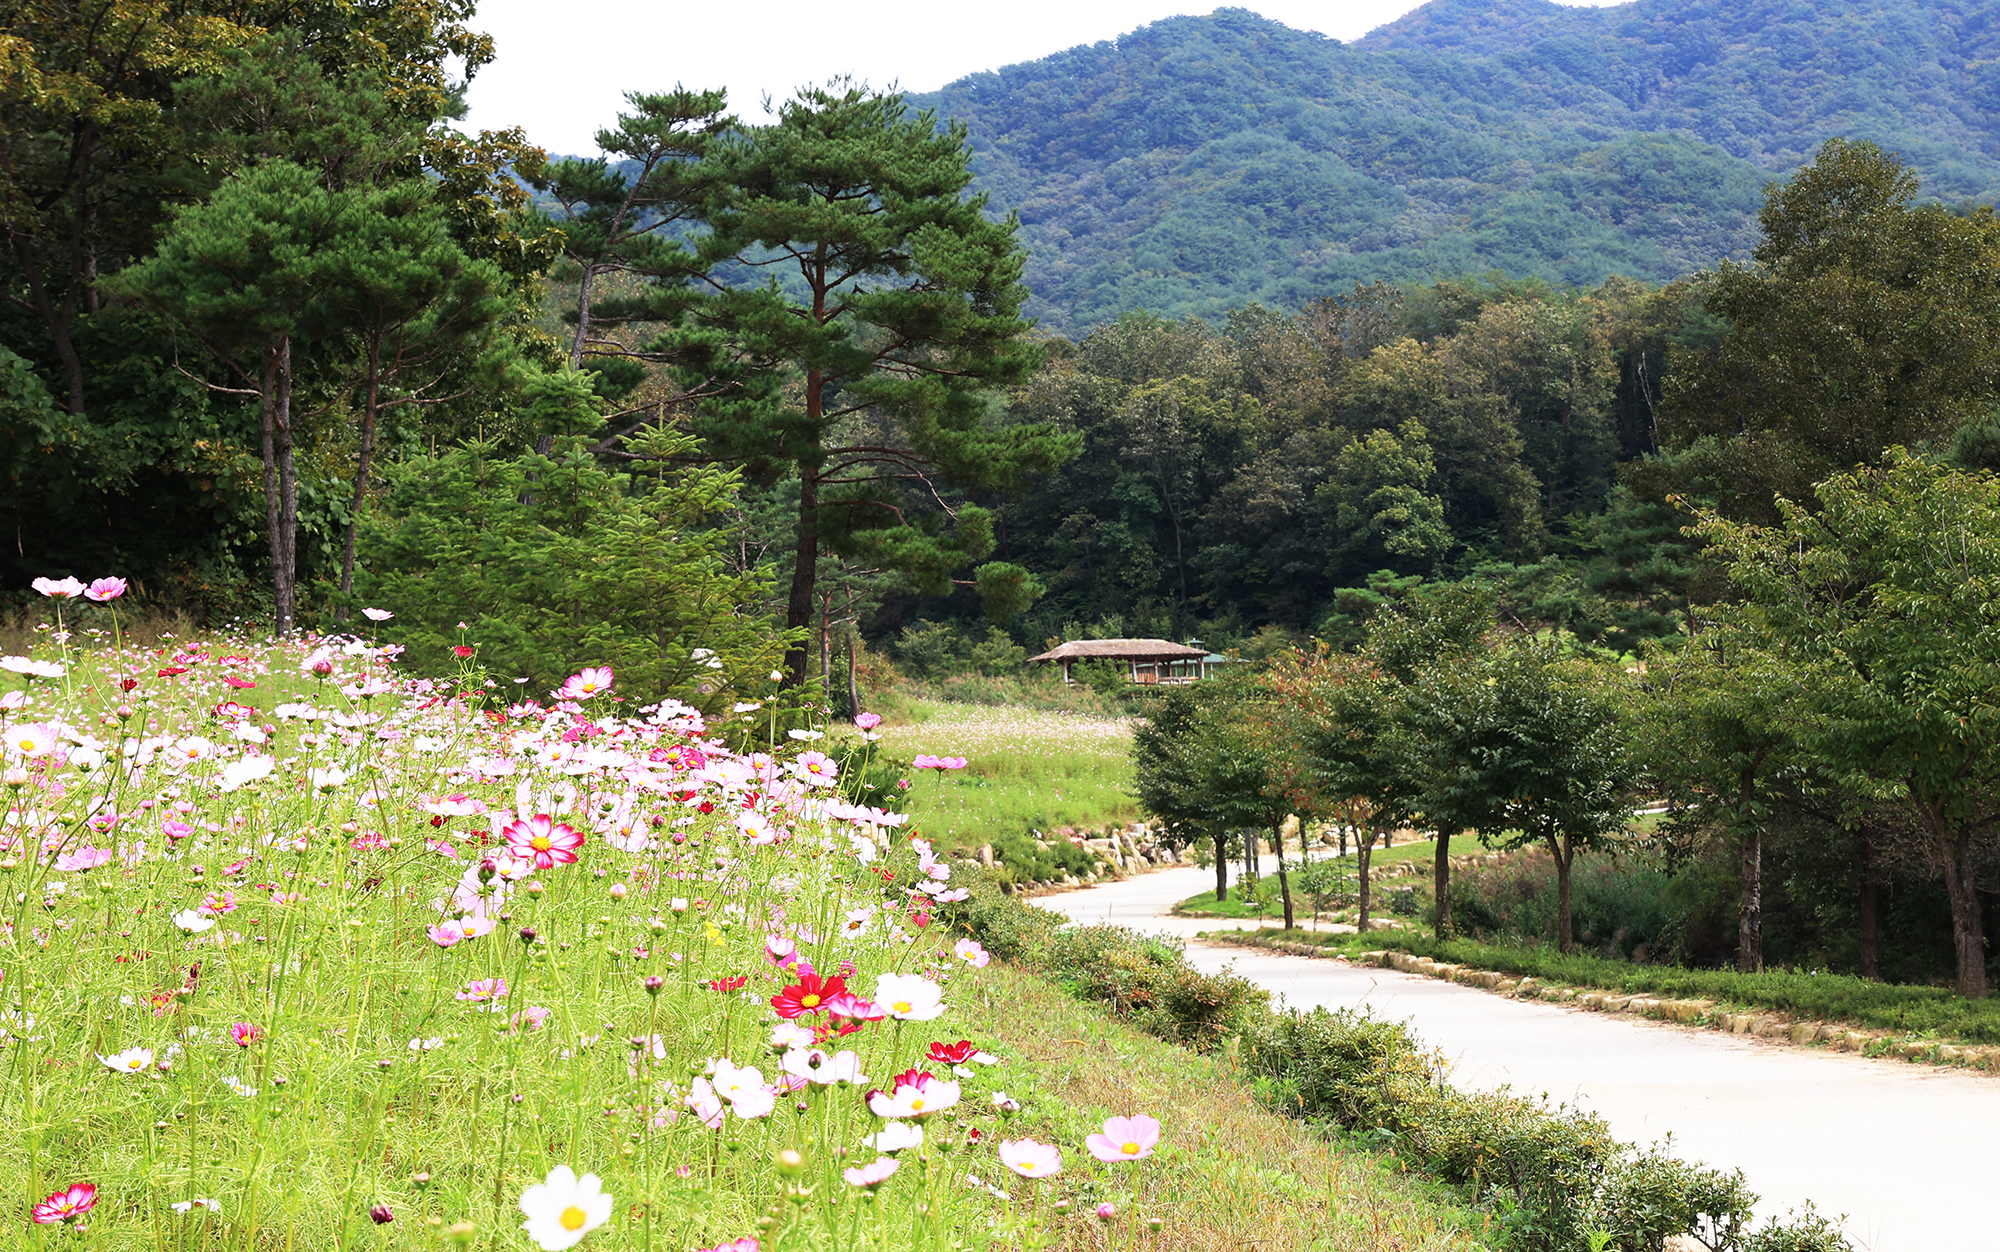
1197, 164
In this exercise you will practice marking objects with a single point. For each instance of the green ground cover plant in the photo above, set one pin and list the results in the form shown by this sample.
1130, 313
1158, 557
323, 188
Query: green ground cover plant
1810, 994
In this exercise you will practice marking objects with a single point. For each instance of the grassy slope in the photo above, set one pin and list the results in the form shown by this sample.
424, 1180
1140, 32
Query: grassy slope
1024, 770
1229, 1174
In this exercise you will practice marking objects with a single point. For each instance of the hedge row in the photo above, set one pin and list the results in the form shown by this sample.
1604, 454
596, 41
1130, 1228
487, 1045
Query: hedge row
1552, 1176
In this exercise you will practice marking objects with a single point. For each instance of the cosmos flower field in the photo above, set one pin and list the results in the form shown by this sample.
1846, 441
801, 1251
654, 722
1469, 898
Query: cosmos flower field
301, 951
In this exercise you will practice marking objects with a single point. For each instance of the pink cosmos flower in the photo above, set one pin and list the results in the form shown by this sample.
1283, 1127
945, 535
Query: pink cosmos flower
480, 990
868, 721
1125, 1139
707, 1106
105, 589
969, 951
584, 685
65, 589
445, 934
377, 615
243, 1034
530, 1018
816, 768
1030, 1159
84, 858
745, 1244
543, 840
66, 1206
869, 1177
216, 903
35, 739
319, 663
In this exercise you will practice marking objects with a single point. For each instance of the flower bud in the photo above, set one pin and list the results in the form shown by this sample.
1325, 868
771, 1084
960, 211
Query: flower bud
654, 983
791, 1162
381, 1215
461, 1233
618, 891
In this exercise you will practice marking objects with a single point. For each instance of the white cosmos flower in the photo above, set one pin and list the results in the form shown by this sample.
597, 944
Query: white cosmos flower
245, 770
895, 1137
130, 1061
909, 997
200, 1202
327, 779
562, 1209
192, 922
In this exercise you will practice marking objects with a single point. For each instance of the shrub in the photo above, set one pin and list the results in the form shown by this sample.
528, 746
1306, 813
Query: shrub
1554, 1177
1144, 980
1022, 860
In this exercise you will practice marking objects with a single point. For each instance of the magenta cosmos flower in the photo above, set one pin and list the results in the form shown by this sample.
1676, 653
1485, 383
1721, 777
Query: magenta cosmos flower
543, 840
584, 685
66, 1206
1030, 1159
1125, 1139
104, 589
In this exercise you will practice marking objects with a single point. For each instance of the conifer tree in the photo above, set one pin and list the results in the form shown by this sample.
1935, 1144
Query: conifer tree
894, 311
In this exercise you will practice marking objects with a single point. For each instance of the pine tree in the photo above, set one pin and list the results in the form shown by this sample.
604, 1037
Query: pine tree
894, 312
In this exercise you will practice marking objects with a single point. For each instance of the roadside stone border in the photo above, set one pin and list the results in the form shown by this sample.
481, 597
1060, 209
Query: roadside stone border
1699, 1014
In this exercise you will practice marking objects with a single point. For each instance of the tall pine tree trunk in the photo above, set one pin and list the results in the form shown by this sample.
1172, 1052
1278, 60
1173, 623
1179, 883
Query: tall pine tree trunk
281, 485
369, 408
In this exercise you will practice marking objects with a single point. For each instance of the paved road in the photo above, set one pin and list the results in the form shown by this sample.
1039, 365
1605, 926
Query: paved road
1911, 1154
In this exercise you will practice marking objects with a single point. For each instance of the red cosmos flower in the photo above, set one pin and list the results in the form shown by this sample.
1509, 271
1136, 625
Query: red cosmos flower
127, 684
241, 684
728, 984
543, 840
461, 652
828, 1030
171, 670
952, 1053
66, 1206
808, 995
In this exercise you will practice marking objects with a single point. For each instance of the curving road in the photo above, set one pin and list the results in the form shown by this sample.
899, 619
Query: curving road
1910, 1154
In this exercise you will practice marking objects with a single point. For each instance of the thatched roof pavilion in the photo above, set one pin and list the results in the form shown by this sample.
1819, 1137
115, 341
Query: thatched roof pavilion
1148, 661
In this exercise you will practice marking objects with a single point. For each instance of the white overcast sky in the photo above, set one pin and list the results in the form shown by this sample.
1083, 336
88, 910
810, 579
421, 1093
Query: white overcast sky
562, 72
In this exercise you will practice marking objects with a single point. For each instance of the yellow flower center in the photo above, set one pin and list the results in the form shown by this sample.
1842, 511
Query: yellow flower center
1130, 1149
135, 1064
588, 689
901, 1006
809, 1001
573, 1218
540, 843
917, 1105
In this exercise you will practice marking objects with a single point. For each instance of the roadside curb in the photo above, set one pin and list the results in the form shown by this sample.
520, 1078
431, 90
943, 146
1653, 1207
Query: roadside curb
1695, 1014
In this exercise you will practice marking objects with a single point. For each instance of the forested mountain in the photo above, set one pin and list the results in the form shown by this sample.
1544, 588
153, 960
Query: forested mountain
1200, 163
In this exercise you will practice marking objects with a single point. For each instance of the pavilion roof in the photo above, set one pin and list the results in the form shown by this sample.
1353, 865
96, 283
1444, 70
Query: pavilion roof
1122, 650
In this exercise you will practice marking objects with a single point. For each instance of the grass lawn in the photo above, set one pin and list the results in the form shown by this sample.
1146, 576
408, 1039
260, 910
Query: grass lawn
1025, 769
1271, 905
